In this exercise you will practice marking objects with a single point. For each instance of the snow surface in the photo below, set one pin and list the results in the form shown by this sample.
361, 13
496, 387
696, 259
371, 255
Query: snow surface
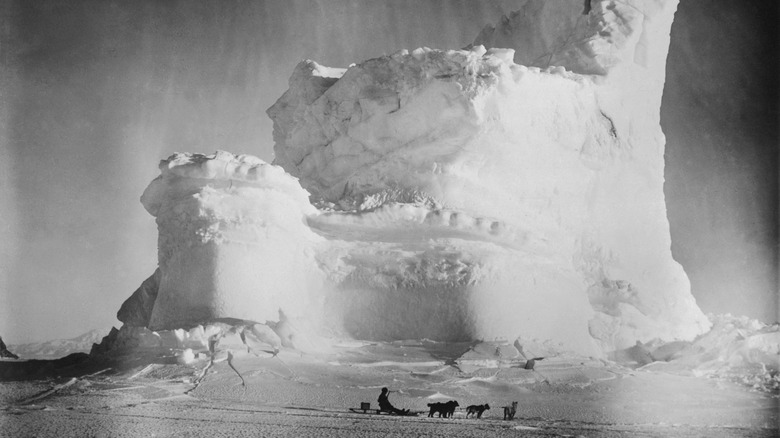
737, 349
238, 393
240, 377
458, 196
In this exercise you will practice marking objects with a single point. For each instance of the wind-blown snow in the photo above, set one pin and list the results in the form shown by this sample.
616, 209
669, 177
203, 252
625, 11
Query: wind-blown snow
459, 195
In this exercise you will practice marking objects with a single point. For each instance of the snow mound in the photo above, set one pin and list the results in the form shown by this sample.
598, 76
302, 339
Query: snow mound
739, 349
211, 340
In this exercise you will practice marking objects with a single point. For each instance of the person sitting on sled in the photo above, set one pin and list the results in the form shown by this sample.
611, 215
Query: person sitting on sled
385, 406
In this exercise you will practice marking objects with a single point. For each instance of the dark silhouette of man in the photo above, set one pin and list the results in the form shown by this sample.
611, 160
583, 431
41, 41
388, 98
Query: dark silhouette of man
385, 406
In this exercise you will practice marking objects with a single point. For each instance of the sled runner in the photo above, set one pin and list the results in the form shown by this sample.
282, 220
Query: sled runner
365, 408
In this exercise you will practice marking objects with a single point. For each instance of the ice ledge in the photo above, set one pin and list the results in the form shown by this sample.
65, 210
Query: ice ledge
596, 37
183, 172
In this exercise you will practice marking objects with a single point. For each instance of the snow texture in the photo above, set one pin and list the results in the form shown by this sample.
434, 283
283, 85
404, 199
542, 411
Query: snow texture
459, 195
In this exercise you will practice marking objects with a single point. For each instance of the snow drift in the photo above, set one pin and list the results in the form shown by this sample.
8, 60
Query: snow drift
459, 195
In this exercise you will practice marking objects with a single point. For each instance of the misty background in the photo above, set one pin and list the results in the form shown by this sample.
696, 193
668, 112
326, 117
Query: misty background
94, 93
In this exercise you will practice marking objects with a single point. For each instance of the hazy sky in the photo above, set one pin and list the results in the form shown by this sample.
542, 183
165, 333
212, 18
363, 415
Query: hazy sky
95, 93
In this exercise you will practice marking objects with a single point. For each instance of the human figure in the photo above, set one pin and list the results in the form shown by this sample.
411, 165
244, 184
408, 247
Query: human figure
385, 406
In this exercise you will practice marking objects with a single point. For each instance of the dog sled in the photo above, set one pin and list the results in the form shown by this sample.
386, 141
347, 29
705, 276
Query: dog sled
365, 408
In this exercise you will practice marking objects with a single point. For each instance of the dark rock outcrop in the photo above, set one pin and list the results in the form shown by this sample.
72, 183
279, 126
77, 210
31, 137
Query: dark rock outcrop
108, 341
4, 353
73, 365
137, 310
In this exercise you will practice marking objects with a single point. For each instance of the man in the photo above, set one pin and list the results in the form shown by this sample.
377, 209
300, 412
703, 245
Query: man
385, 406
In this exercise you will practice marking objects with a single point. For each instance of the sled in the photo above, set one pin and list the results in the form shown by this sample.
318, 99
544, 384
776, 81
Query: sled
365, 408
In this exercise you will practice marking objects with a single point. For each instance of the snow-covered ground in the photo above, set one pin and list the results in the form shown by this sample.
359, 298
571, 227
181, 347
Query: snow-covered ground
151, 391
225, 380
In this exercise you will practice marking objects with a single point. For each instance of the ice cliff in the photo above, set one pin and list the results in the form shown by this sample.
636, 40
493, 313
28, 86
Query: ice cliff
460, 194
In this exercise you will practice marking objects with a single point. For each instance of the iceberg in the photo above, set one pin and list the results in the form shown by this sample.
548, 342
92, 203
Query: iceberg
232, 239
510, 189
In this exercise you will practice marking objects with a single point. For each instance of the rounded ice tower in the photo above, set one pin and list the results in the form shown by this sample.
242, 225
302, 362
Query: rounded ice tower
233, 240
